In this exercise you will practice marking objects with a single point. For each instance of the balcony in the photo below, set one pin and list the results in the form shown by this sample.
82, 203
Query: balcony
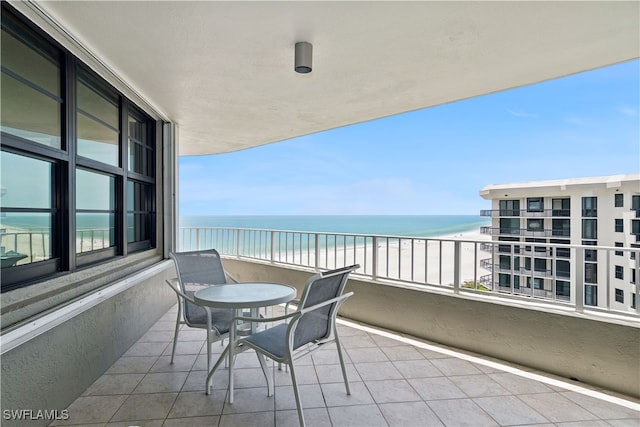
395, 380
433, 295
545, 213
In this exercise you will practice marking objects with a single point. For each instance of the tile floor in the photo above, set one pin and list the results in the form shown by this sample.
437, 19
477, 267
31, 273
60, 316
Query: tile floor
394, 382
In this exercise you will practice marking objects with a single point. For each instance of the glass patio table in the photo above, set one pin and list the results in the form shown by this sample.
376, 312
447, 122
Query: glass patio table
240, 296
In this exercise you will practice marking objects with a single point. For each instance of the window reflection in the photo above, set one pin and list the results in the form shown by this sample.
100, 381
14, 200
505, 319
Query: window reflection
95, 217
98, 135
31, 103
27, 214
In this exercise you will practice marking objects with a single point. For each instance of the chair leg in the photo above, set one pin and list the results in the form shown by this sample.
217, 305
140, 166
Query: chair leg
297, 394
344, 370
265, 371
175, 335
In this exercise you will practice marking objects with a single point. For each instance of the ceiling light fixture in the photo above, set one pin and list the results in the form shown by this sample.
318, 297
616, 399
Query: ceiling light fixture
304, 55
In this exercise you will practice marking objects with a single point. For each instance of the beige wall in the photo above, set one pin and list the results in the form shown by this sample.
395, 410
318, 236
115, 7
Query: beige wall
51, 370
603, 354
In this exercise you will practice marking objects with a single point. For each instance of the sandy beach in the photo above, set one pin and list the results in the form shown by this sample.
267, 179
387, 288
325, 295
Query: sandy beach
407, 259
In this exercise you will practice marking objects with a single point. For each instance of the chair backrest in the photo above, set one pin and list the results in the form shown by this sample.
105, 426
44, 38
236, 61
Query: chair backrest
317, 324
197, 270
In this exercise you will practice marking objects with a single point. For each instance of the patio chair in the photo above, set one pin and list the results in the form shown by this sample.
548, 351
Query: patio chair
309, 328
198, 270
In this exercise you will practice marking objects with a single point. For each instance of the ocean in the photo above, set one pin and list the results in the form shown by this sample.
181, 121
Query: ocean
391, 225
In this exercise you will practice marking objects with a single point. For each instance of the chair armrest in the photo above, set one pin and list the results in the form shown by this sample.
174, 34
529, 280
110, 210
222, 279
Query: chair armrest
266, 319
172, 284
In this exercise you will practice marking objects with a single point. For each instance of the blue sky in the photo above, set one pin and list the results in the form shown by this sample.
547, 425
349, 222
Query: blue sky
433, 161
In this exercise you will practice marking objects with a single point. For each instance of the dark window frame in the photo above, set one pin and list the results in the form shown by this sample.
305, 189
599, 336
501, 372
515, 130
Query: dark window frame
66, 162
618, 200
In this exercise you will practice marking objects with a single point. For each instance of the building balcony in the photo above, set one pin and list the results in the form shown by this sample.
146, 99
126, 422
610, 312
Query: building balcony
394, 380
427, 333
524, 232
545, 213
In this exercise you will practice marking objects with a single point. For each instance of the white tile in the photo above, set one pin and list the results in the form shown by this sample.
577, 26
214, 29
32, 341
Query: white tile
509, 410
556, 407
357, 416
461, 412
392, 391
409, 414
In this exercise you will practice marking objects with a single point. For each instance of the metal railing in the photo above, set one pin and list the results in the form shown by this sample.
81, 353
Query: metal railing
452, 264
544, 213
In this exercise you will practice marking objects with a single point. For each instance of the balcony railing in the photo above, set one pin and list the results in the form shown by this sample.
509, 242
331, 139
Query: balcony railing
448, 264
545, 213
516, 231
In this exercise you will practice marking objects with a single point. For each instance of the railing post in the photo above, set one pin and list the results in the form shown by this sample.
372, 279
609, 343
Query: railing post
317, 250
374, 258
198, 239
456, 266
579, 279
238, 242
273, 247
637, 281
607, 267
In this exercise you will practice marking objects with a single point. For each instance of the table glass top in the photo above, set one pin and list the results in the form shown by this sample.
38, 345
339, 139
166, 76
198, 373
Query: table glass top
245, 295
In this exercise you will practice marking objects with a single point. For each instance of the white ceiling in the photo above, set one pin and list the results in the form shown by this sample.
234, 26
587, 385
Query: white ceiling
224, 70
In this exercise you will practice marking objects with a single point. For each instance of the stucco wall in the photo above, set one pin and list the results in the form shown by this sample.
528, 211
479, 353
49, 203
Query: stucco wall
53, 369
594, 351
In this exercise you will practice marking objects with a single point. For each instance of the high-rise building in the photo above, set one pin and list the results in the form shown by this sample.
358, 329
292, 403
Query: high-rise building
544, 230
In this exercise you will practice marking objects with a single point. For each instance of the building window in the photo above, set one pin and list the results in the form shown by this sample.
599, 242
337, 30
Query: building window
590, 295
535, 204
504, 280
618, 200
540, 264
31, 86
635, 228
563, 268
619, 272
619, 295
505, 262
509, 207
83, 198
633, 276
538, 283
590, 229
563, 289
619, 245
561, 227
509, 226
635, 203
619, 225
535, 224
590, 254
589, 206
561, 207
633, 301
591, 273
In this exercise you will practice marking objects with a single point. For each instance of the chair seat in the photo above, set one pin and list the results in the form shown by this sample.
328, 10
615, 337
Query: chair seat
271, 340
220, 317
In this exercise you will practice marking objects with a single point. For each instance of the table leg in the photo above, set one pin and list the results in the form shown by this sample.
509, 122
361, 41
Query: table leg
208, 381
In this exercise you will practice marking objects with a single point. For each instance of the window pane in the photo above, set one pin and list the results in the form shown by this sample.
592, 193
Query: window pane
97, 105
25, 238
94, 191
138, 212
30, 114
94, 231
25, 190
589, 229
535, 204
30, 63
96, 141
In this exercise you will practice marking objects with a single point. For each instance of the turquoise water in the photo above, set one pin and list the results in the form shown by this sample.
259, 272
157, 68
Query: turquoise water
394, 225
